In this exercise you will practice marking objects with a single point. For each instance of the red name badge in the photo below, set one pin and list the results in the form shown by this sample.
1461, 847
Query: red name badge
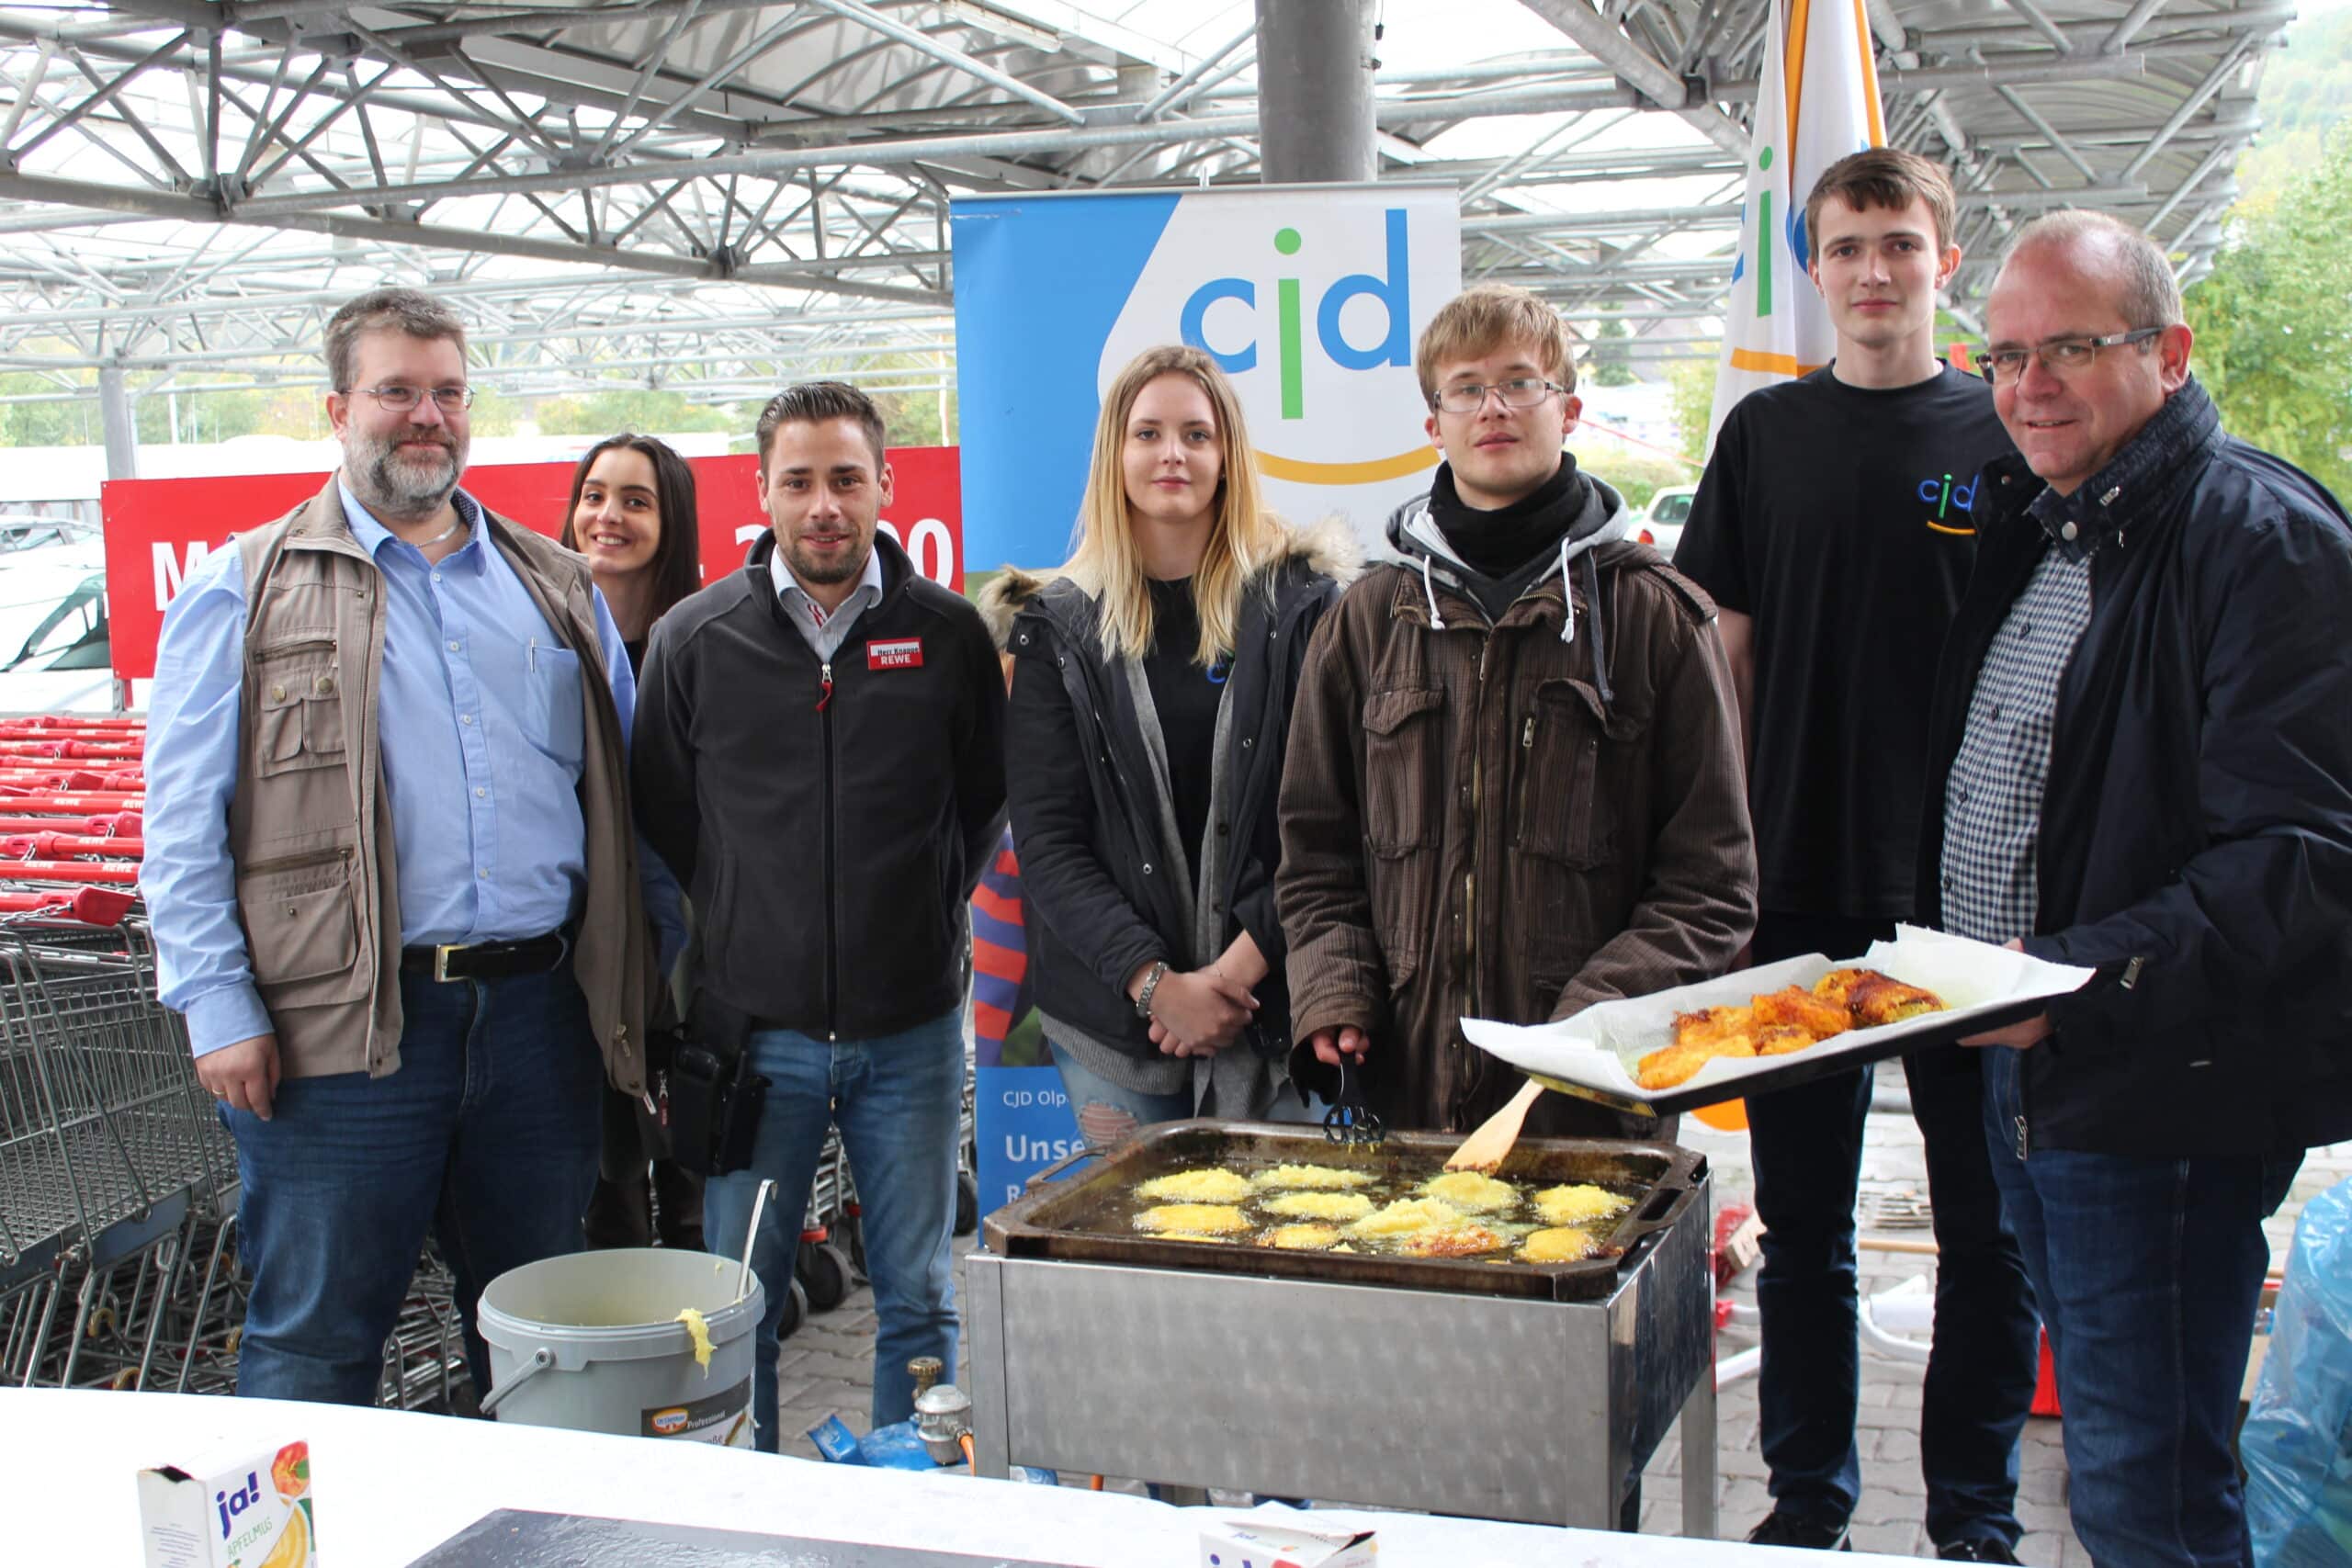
903, 653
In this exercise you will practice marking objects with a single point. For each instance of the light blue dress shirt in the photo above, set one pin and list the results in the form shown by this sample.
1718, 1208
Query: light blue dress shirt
479, 710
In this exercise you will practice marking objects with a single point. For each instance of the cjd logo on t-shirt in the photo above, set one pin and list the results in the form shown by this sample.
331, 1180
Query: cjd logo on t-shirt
1954, 503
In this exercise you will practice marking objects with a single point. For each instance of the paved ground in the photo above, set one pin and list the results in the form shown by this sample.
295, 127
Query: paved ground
827, 1365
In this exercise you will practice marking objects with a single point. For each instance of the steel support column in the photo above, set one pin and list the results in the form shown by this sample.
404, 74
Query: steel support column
1315, 65
121, 431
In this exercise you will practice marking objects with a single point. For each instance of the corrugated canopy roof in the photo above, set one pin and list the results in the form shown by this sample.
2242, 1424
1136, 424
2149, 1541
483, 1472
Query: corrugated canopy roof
716, 193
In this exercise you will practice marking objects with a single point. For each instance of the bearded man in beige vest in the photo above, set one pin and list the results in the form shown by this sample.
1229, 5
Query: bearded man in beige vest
391, 869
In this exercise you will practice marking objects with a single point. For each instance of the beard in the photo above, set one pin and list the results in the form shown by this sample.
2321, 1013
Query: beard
809, 568
402, 486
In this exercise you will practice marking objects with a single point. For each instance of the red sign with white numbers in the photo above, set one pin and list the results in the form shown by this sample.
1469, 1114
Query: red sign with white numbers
157, 530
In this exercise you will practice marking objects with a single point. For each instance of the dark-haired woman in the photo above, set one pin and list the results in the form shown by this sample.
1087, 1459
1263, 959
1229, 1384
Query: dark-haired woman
632, 514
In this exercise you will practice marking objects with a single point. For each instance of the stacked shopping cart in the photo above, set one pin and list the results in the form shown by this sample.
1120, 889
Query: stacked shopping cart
117, 1183
114, 1172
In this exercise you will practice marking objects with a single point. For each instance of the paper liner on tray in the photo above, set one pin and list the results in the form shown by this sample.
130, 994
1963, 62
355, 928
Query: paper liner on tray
1599, 1047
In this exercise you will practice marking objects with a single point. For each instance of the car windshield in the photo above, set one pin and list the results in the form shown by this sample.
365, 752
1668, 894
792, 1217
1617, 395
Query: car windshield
1672, 509
32, 534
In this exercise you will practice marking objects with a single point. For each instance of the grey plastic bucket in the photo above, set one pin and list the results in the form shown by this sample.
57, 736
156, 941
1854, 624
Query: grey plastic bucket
591, 1341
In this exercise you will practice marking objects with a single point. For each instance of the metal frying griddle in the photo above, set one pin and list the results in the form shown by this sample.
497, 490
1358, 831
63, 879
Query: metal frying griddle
1068, 1218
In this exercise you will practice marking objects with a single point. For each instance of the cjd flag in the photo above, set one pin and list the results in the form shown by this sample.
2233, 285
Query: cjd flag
1819, 102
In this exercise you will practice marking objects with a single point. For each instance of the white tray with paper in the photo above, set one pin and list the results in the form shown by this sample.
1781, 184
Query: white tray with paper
1593, 1055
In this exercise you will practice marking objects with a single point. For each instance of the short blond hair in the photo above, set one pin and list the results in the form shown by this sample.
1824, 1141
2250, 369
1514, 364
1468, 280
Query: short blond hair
1476, 321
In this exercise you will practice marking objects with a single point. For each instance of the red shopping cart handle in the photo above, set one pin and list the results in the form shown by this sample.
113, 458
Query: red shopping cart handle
46, 721
53, 746
66, 871
66, 846
56, 778
125, 824
79, 804
91, 906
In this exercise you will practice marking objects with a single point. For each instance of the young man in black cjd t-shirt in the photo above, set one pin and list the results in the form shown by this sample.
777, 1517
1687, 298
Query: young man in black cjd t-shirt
1833, 529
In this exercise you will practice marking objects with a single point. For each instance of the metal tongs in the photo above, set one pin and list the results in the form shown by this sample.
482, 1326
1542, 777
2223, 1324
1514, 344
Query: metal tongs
1350, 1120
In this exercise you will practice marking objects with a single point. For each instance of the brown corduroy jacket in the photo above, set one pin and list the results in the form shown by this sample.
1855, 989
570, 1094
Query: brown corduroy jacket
1474, 824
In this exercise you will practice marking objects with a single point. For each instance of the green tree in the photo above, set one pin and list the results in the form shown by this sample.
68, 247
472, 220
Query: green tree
1612, 360
645, 411
915, 419
2273, 319
1693, 381
2306, 89
62, 418
202, 417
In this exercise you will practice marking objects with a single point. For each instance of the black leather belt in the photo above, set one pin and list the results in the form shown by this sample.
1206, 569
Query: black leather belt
488, 960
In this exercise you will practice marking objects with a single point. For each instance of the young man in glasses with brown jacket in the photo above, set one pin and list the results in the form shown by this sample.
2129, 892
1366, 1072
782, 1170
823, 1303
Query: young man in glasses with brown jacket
1514, 787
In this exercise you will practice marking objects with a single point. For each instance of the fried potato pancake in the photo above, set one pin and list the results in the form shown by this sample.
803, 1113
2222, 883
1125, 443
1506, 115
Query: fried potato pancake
1408, 1216
1309, 1178
1838, 984
1471, 1192
1196, 1187
1559, 1244
1880, 1000
1301, 1238
1710, 1024
1796, 1007
1782, 1039
1467, 1240
1338, 1206
1578, 1203
1678, 1063
1198, 1221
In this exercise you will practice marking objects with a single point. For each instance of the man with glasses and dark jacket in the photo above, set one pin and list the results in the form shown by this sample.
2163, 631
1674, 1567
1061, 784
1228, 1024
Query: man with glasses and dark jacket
820, 758
2140, 763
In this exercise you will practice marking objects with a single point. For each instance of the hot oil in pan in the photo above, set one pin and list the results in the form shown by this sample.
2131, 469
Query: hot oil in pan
1112, 1207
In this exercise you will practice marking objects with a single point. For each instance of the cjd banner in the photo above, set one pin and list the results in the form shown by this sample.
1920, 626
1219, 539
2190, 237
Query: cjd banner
157, 530
1311, 296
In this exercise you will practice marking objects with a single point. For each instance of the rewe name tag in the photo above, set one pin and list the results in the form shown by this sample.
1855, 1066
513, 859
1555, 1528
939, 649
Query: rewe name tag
903, 653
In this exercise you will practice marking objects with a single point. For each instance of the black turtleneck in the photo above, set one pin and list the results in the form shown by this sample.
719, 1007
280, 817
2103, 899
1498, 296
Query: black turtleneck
1497, 544
1509, 547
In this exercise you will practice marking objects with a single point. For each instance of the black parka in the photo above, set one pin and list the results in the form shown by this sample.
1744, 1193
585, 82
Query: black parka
2196, 827
1085, 801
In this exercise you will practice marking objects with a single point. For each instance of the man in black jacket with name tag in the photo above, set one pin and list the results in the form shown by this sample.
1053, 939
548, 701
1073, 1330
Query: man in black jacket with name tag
819, 757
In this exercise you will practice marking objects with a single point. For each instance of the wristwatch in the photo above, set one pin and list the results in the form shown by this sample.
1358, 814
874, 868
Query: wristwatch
1150, 984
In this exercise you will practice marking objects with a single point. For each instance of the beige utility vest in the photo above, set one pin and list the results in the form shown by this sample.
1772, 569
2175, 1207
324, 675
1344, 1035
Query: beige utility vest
311, 831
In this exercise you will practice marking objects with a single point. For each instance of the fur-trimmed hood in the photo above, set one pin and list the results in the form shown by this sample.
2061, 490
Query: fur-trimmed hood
1328, 548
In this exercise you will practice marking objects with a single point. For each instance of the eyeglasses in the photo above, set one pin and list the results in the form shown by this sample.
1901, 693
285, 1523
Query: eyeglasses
397, 399
1518, 393
2062, 357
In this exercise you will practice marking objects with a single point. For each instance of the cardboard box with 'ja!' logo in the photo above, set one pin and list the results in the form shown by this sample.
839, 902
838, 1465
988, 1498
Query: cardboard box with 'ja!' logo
253, 1514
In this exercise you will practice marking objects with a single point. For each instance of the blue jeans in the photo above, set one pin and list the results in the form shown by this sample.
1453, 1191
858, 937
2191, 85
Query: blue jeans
1107, 1113
487, 1136
897, 1100
2148, 1271
1806, 1142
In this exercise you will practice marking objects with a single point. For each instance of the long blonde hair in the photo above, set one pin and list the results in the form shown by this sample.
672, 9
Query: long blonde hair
1244, 537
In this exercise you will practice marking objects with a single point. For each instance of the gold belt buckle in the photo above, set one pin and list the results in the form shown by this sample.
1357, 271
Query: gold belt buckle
441, 959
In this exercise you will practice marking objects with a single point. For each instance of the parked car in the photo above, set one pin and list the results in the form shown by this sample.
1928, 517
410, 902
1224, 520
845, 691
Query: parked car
1661, 525
54, 649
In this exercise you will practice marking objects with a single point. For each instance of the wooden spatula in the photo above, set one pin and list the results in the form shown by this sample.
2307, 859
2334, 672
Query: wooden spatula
1484, 1149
